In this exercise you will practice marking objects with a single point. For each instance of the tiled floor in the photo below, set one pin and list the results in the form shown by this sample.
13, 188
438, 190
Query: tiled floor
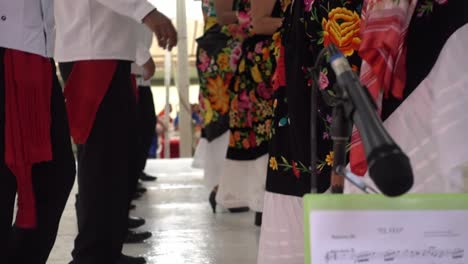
185, 231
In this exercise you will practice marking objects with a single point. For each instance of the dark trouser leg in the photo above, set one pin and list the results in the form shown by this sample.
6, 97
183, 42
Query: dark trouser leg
147, 124
52, 183
103, 175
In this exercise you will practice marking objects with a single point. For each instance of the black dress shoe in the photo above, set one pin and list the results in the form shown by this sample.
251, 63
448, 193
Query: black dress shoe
137, 237
135, 222
258, 219
141, 190
146, 177
137, 196
131, 260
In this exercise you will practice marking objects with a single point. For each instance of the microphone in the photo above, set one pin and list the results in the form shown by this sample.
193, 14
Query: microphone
389, 167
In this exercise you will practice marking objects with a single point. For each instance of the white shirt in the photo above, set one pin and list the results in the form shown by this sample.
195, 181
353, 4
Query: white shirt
98, 29
27, 25
143, 54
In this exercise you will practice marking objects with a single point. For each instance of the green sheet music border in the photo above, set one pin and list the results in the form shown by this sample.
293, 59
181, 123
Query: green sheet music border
355, 202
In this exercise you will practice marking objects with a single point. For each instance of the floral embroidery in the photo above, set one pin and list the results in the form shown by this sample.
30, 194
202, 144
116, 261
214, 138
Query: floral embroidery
216, 71
218, 94
426, 7
296, 167
273, 164
342, 29
251, 97
308, 5
329, 159
323, 81
325, 22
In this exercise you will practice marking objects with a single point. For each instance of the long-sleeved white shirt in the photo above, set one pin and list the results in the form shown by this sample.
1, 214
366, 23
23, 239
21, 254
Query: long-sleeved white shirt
28, 25
98, 29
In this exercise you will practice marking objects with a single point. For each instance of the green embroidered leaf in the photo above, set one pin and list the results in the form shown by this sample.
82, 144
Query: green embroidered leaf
283, 122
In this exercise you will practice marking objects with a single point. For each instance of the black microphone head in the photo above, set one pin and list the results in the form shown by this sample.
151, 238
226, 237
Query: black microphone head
391, 171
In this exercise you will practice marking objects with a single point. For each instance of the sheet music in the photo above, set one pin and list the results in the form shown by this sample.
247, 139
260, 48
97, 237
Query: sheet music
389, 237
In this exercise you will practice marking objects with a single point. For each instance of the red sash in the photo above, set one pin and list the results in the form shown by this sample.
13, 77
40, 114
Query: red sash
84, 91
28, 89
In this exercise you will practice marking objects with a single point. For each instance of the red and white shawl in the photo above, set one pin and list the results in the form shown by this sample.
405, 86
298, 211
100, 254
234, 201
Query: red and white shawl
384, 28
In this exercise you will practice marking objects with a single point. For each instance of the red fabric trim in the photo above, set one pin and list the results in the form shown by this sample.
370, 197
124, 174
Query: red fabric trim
28, 89
84, 91
279, 78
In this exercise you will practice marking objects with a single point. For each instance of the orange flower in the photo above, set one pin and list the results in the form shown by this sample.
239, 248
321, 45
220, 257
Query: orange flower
237, 136
218, 94
266, 53
235, 104
232, 142
252, 96
245, 143
342, 29
223, 61
329, 159
273, 164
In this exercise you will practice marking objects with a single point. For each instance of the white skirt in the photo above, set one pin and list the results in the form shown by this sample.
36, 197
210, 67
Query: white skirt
215, 155
282, 234
200, 153
243, 183
431, 125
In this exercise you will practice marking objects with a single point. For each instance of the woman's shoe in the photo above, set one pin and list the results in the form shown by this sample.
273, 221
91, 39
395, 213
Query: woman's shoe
213, 204
239, 210
212, 200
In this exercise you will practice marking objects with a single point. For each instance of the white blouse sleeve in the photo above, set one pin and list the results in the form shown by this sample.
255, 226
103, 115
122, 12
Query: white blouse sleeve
136, 9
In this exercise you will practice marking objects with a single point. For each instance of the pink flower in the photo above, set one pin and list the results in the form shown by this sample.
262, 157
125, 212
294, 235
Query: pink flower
323, 81
441, 2
244, 19
326, 135
244, 102
329, 119
204, 61
203, 66
259, 48
264, 91
235, 56
308, 5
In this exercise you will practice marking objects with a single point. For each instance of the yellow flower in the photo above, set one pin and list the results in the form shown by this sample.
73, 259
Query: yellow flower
218, 94
208, 117
223, 61
273, 164
242, 66
256, 74
342, 29
329, 159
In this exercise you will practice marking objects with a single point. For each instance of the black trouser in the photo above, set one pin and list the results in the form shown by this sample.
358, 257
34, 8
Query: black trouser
146, 124
52, 183
104, 165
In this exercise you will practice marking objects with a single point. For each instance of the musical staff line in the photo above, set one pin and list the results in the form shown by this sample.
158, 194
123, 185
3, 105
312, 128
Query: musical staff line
390, 255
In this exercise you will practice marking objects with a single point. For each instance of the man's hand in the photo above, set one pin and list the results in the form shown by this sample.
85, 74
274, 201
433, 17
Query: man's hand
163, 29
148, 69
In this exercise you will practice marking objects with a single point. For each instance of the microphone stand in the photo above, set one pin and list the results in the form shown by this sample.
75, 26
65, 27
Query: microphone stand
341, 130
